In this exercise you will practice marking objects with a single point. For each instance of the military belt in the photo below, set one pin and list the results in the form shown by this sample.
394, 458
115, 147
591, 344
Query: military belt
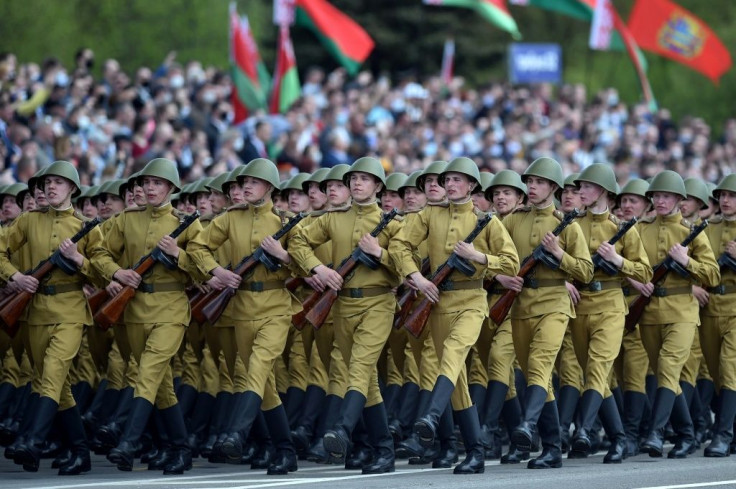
149, 288
367, 292
723, 289
497, 291
262, 286
626, 291
665, 291
597, 285
59, 289
533, 283
450, 285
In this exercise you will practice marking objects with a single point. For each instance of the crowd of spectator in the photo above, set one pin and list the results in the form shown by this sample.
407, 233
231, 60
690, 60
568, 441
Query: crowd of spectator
111, 125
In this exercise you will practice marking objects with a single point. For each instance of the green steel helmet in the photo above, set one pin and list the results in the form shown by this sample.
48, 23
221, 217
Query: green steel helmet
434, 168
635, 186
599, 174
545, 167
463, 165
232, 177
506, 178
711, 187
485, 181
263, 169
337, 172
14, 189
111, 187
91, 192
215, 185
186, 189
411, 181
36, 180
728, 183
395, 181
66, 170
164, 169
21, 195
201, 186
568, 182
369, 165
133, 180
695, 187
296, 182
317, 177
667, 181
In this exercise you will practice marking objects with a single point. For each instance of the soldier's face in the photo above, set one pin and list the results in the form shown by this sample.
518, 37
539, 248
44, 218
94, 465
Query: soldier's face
590, 193
541, 191
363, 187
481, 203
414, 199
298, 201
40, 197
433, 189
665, 203
58, 191
129, 198
156, 190
689, 206
505, 199
727, 201
218, 201
89, 210
337, 193
109, 205
458, 186
139, 194
633, 206
10, 208
236, 193
255, 190
28, 202
317, 198
569, 199
203, 203
391, 200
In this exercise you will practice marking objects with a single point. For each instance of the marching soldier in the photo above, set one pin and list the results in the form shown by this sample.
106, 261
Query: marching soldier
669, 322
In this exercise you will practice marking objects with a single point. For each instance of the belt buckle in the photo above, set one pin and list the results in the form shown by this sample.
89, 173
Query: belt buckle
532, 283
719, 290
447, 285
356, 293
49, 290
147, 288
595, 286
659, 292
256, 286
626, 290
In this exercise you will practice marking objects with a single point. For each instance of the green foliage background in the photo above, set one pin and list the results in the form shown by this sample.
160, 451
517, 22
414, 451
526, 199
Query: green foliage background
409, 38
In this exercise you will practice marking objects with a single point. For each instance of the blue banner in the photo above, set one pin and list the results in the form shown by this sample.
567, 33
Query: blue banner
535, 63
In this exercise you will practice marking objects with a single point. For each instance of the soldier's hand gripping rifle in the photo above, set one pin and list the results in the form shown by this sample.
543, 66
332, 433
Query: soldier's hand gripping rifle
637, 306
727, 262
418, 318
407, 298
14, 305
501, 308
211, 307
110, 312
600, 263
324, 300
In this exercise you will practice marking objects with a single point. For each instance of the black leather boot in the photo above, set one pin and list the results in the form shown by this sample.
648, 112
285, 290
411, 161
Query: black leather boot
683, 426
109, 434
246, 408
447, 451
719, 444
408, 405
478, 395
426, 425
634, 403
7, 393
511, 413
582, 442
78, 462
611, 420
337, 440
311, 409
534, 401
567, 403
284, 458
410, 446
549, 433
124, 454
181, 455
391, 395
201, 415
187, 396
28, 454
379, 436
294, 403
83, 395
23, 427
212, 450
474, 462
494, 402
663, 402
327, 418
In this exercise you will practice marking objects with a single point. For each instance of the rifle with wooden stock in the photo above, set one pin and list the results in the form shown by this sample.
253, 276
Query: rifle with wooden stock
418, 318
727, 262
501, 308
299, 320
14, 305
599, 263
637, 306
211, 307
324, 300
109, 313
407, 298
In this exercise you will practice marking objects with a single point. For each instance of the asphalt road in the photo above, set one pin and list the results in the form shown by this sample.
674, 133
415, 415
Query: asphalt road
639, 472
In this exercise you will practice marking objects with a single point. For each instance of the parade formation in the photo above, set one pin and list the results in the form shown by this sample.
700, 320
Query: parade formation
448, 317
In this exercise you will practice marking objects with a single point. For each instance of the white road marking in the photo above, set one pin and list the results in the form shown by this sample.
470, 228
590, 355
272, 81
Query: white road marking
694, 484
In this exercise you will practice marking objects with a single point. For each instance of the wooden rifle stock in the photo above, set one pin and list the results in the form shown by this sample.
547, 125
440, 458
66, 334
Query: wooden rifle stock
407, 298
96, 300
211, 307
501, 308
110, 312
418, 318
14, 305
317, 314
637, 306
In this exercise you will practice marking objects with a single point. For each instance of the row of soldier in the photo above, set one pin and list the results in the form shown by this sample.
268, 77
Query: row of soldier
361, 390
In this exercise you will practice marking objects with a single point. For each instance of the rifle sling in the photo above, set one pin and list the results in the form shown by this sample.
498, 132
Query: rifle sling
149, 288
262, 286
59, 289
365, 292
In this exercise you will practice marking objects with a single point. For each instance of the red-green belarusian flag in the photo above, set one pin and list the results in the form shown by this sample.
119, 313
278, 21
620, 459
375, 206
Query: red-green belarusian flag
249, 75
286, 88
494, 11
349, 43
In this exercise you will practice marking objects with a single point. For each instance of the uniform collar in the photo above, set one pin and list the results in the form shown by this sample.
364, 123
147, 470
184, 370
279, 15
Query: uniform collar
674, 217
464, 207
602, 216
160, 210
265, 208
543, 211
366, 208
61, 212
